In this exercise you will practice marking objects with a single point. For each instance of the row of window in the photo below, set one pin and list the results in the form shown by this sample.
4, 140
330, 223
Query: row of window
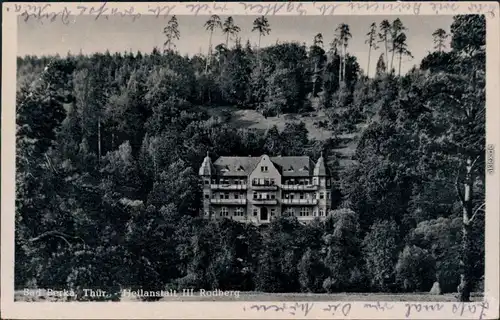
263, 182
305, 212
268, 196
226, 195
240, 212
304, 182
227, 181
317, 196
264, 195
268, 182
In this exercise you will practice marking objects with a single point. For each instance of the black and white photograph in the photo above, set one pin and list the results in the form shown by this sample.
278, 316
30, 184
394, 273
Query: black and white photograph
228, 156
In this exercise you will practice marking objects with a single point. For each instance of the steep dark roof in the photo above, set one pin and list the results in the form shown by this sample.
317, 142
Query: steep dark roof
242, 166
233, 165
294, 166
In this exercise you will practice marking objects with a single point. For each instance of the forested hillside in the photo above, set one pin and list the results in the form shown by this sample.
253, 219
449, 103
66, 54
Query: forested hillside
108, 148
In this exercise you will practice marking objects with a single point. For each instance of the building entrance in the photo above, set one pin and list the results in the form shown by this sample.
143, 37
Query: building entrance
263, 214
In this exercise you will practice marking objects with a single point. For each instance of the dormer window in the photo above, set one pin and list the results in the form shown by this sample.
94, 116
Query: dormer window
225, 169
240, 169
290, 169
304, 168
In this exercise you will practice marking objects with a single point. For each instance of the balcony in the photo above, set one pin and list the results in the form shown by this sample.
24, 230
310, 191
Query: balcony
264, 186
228, 186
229, 201
300, 187
304, 202
258, 201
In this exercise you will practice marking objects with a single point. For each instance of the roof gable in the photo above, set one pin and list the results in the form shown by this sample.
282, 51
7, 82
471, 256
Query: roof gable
293, 166
265, 161
235, 166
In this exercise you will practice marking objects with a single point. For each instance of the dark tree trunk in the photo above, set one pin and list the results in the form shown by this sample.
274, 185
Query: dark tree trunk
315, 78
386, 54
369, 56
99, 140
258, 51
209, 57
465, 286
400, 58
392, 55
344, 64
341, 59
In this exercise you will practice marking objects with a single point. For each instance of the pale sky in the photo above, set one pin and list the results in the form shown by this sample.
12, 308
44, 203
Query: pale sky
122, 34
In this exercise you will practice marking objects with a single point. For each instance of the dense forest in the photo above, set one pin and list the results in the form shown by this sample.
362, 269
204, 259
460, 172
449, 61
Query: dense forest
108, 148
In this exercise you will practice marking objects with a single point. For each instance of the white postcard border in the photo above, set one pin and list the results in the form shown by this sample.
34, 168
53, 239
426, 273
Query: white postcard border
242, 310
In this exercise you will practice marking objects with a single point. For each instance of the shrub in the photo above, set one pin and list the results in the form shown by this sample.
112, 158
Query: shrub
380, 251
311, 272
416, 269
189, 281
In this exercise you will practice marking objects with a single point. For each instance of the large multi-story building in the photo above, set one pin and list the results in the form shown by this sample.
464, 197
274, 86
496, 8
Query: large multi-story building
256, 189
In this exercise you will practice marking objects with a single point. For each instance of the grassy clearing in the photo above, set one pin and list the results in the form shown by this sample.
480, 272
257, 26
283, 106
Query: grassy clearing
251, 119
261, 296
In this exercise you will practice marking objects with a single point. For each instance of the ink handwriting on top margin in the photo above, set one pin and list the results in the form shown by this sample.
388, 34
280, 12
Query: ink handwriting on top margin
158, 10
396, 7
43, 12
273, 9
488, 9
212, 8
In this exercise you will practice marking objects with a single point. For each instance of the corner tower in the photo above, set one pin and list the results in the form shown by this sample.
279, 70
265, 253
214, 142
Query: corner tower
205, 172
320, 178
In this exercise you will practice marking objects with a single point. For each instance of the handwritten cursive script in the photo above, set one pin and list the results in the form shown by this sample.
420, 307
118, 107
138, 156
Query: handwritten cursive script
52, 12
379, 306
345, 308
475, 310
292, 309
408, 310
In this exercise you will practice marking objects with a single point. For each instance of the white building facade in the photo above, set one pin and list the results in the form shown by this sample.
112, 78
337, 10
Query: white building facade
256, 189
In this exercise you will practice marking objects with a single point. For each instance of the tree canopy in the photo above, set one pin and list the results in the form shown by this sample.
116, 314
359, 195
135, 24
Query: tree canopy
109, 146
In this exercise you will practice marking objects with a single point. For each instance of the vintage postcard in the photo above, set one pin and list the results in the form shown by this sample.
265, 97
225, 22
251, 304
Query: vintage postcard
245, 160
